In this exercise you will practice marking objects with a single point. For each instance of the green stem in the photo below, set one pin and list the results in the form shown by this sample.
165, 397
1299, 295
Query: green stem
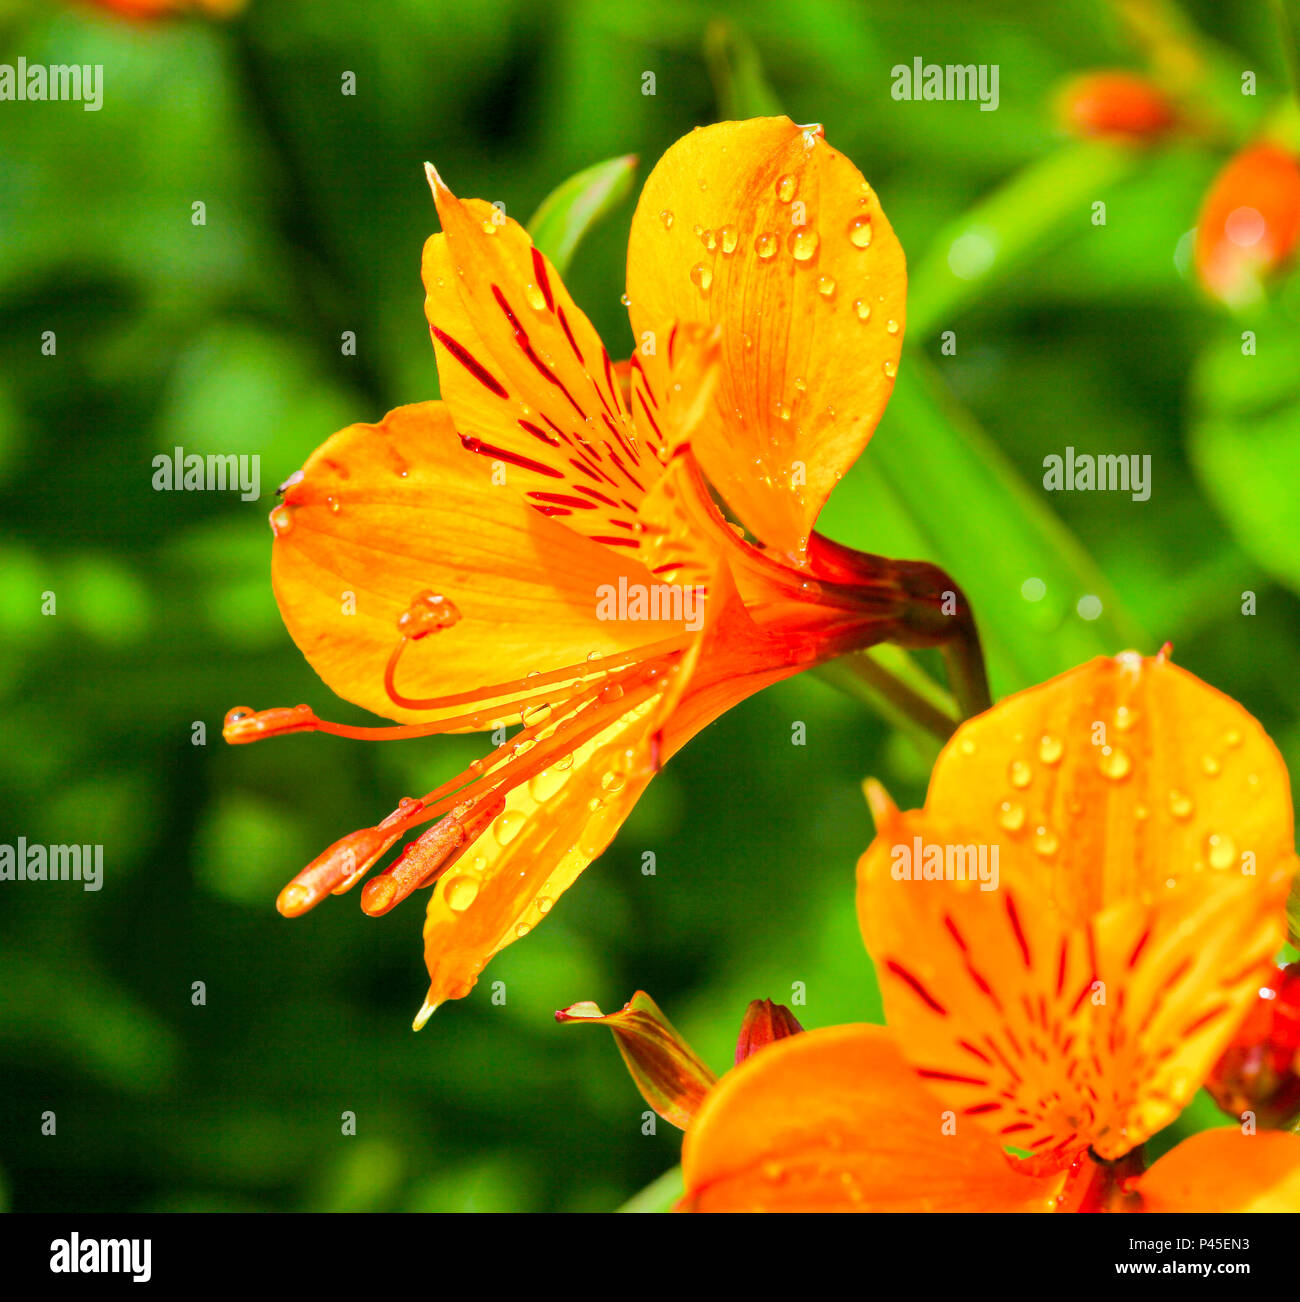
886, 691
1288, 21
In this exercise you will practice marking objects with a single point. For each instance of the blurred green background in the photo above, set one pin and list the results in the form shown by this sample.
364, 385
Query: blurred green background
226, 338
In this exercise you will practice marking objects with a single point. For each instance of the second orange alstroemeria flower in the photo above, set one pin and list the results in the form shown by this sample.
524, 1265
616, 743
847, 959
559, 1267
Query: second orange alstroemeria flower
540, 549
1067, 937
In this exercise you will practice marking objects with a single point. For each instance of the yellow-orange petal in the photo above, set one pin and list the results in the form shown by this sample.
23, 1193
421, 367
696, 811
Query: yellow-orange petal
1249, 223
1077, 988
555, 824
383, 513
530, 385
1056, 1037
670, 1075
1115, 104
833, 1120
1136, 771
1226, 1171
763, 228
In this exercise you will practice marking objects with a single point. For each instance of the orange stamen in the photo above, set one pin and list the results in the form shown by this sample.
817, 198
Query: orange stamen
425, 859
345, 861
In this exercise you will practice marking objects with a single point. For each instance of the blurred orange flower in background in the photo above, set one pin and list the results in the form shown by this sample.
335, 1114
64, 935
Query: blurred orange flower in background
170, 8
767, 295
1115, 104
1249, 223
1068, 1002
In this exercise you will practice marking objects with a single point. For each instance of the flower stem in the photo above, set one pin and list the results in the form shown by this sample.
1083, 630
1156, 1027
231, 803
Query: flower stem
967, 677
913, 703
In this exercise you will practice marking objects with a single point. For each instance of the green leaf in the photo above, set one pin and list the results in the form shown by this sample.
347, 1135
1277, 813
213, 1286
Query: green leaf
1033, 212
932, 485
660, 1195
737, 72
1245, 414
573, 208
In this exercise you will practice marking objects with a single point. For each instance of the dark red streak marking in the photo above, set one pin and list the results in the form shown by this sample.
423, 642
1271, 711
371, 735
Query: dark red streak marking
543, 280
469, 362
473, 444
917, 988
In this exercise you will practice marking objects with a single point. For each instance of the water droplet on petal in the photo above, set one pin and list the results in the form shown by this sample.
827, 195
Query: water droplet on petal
1209, 766
508, 826
1116, 765
667, 218
727, 238
1011, 815
460, 893
536, 299
765, 246
826, 287
785, 188
1222, 850
1019, 774
702, 277
1180, 804
1049, 749
860, 232
1045, 842
803, 243
863, 309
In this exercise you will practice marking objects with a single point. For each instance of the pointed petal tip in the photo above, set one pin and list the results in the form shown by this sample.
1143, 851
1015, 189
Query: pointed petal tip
436, 183
427, 1010
579, 1012
879, 802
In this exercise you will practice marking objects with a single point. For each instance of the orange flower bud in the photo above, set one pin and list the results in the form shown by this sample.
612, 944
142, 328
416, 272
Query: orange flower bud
1260, 1070
1117, 104
1249, 223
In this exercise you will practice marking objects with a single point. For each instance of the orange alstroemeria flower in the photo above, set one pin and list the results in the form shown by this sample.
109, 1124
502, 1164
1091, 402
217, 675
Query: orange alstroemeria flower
1101, 871
171, 8
1115, 105
1250, 222
536, 549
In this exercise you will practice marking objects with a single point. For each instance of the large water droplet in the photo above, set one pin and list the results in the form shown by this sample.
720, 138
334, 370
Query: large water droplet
860, 232
508, 826
803, 243
785, 188
826, 287
765, 246
1049, 749
1019, 774
863, 309
1221, 849
1116, 765
460, 893
1011, 815
727, 237
702, 277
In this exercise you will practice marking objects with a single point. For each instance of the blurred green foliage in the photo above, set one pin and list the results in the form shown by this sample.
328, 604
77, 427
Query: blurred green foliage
226, 338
